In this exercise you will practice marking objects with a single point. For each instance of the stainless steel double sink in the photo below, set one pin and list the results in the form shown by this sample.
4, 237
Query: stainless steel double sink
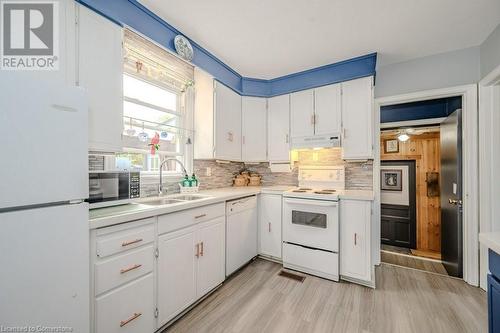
175, 199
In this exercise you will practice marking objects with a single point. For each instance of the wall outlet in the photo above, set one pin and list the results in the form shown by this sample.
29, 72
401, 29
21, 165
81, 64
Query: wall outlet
208, 172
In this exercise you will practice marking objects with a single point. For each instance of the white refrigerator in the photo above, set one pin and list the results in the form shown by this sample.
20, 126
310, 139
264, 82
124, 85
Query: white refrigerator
44, 236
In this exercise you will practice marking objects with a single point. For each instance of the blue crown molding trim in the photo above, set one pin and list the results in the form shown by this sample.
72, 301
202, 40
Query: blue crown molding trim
436, 108
130, 13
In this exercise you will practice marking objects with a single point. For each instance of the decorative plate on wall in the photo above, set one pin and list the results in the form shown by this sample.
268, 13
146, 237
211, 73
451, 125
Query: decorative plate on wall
183, 47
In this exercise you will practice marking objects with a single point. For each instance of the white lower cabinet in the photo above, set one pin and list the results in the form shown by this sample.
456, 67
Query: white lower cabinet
355, 244
210, 272
176, 273
270, 242
190, 264
129, 308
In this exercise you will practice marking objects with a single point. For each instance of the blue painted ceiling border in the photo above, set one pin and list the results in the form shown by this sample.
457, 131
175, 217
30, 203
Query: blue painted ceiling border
136, 16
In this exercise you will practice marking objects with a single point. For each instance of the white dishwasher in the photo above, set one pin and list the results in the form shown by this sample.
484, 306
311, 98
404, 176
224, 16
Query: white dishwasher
241, 232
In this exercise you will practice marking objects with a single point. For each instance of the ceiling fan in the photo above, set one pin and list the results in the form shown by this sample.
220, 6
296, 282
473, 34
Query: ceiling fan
404, 134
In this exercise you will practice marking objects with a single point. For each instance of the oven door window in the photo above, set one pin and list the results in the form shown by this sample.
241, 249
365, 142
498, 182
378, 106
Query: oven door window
309, 219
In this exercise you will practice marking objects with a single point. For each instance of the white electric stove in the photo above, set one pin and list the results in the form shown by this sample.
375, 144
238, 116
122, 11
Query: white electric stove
311, 222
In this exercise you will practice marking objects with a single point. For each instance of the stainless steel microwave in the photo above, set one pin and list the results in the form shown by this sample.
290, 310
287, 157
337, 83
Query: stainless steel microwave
110, 188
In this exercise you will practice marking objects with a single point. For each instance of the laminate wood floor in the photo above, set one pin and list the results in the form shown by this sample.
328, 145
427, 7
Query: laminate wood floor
414, 262
257, 299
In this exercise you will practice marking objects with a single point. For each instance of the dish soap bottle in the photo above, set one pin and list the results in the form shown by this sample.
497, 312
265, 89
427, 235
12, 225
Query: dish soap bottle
194, 181
186, 182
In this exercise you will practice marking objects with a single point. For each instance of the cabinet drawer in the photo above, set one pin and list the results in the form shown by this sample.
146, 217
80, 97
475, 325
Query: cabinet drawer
122, 269
316, 262
129, 309
185, 218
124, 240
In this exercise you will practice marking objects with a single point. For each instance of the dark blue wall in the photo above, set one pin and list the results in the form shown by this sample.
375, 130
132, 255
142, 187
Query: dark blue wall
134, 15
435, 108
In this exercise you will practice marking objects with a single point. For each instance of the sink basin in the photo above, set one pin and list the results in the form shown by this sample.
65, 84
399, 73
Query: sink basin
189, 197
160, 202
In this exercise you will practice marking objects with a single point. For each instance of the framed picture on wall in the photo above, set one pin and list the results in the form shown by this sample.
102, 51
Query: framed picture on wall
391, 180
391, 146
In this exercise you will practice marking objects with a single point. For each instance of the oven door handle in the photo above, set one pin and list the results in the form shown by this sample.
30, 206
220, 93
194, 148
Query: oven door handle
312, 202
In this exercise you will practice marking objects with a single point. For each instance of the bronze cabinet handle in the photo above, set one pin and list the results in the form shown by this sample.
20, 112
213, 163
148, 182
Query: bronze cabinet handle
132, 242
197, 255
131, 268
200, 216
134, 316
201, 249
355, 239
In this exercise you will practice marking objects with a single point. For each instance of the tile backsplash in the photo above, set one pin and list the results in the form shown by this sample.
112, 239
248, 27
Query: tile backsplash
359, 175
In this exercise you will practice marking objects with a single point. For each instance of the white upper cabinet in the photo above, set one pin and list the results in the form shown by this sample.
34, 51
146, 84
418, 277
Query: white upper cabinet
254, 129
327, 110
278, 111
302, 113
100, 72
316, 113
227, 123
204, 143
357, 119
217, 120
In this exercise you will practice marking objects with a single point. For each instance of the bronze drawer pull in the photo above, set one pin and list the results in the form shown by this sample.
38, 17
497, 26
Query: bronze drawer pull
135, 316
132, 242
125, 270
200, 216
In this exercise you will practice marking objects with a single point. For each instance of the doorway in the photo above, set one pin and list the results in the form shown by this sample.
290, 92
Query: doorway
420, 186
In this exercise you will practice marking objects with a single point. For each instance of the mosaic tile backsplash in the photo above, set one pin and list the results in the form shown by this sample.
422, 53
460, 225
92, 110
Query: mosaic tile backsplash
359, 175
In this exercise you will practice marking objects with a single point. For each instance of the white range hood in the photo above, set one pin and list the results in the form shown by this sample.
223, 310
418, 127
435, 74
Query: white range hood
316, 141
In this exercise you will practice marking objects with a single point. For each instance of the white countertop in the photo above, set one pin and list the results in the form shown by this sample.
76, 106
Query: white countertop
103, 217
490, 240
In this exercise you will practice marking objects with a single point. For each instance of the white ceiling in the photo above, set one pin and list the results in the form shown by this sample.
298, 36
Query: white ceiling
270, 38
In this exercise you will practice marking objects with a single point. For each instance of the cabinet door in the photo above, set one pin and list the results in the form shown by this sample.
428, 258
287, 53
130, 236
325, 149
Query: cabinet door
279, 128
327, 110
176, 273
493, 304
357, 119
211, 269
355, 218
302, 113
270, 225
227, 123
100, 72
254, 129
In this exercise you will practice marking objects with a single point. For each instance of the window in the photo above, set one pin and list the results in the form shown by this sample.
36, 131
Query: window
156, 100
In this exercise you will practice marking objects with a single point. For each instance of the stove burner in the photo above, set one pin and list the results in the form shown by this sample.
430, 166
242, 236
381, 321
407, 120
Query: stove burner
304, 189
331, 191
323, 192
299, 191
